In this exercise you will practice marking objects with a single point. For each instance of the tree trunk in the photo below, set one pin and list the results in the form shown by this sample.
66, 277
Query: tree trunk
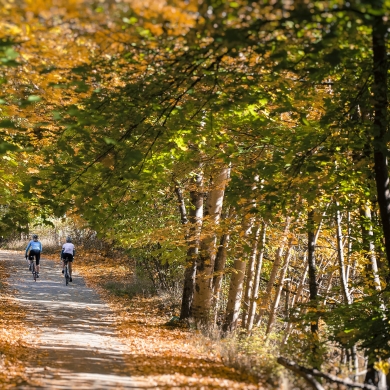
329, 286
256, 282
368, 245
278, 292
340, 253
201, 306
220, 260
275, 269
237, 277
349, 271
379, 89
219, 267
181, 205
295, 298
250, 277
195, 219
235, 295
313, 287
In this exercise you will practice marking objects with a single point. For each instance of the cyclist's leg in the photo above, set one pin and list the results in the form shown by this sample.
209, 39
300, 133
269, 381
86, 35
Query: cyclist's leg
70, 261
30, 260
37, 258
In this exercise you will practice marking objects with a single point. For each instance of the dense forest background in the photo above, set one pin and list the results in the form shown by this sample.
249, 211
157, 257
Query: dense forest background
237, 150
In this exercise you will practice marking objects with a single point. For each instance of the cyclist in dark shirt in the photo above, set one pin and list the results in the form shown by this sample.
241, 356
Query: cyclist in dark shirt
68, 253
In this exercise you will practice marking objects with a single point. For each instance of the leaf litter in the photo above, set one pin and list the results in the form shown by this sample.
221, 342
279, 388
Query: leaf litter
163, 356
16, 341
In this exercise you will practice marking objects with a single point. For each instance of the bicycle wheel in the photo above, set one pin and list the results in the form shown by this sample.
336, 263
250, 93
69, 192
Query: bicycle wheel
66, 273
34, 272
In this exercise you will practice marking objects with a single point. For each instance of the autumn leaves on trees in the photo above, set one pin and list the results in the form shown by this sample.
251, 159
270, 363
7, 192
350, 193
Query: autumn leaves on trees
241, 145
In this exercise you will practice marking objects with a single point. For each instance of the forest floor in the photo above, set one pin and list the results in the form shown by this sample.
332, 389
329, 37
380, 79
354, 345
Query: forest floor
87, 336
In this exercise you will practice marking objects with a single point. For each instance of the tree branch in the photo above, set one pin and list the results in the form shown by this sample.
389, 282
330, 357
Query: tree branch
309, 374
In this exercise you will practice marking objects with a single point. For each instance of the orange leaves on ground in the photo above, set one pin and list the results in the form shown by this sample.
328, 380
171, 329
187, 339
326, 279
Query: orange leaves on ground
13, 345
165, 357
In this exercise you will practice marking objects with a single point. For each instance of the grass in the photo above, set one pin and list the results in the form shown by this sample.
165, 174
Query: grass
49, 245
130, 290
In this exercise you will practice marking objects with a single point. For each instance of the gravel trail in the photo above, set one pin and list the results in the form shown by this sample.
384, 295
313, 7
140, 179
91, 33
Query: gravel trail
79, 348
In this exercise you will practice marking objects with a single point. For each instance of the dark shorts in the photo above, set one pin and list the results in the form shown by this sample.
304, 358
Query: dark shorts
67, 257
36, 254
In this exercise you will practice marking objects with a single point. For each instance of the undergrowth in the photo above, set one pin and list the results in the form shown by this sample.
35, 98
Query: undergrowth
139, 287
255, 355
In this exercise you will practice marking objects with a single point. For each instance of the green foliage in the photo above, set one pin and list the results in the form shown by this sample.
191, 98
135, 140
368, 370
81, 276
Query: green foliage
281, 93
365, 324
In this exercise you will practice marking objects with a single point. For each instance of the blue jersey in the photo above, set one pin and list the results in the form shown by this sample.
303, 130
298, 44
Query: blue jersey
34, 246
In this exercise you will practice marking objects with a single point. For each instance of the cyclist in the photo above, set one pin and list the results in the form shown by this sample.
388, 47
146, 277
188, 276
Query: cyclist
34, 249
67, 254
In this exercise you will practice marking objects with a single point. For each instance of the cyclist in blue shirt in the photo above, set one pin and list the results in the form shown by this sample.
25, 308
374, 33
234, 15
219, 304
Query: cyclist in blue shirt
35, 248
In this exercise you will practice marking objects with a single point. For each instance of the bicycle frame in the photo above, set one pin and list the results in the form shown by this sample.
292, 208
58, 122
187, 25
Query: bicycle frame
66, 272
34, 269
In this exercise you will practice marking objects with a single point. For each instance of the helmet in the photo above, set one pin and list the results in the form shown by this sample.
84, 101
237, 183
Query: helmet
68, 239
35, 236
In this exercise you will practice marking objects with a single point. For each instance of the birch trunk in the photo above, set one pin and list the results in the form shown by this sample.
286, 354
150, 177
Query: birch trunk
328, 288
220, 261
181, 205
237, 280
219, 268
201, 306
235, 295
369, 246
275, 269
279, 289
195, 219
340, 253
250, 277
349, 249
256, 282
295, 298
312, 238
312, 241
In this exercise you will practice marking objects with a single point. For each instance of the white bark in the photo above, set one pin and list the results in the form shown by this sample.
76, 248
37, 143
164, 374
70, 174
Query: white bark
250, 277
256, 282
340, 252
275, 269
235, 295
237, 279
279, 288
368, 239
195, 219
296, 298
205, 264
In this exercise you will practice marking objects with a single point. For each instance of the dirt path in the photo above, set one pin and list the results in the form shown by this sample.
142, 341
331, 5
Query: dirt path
76, 339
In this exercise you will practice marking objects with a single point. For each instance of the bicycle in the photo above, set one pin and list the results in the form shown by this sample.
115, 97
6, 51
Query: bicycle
66, 272
33, 269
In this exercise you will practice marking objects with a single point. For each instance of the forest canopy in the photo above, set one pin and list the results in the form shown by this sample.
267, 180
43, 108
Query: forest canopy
236, 149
